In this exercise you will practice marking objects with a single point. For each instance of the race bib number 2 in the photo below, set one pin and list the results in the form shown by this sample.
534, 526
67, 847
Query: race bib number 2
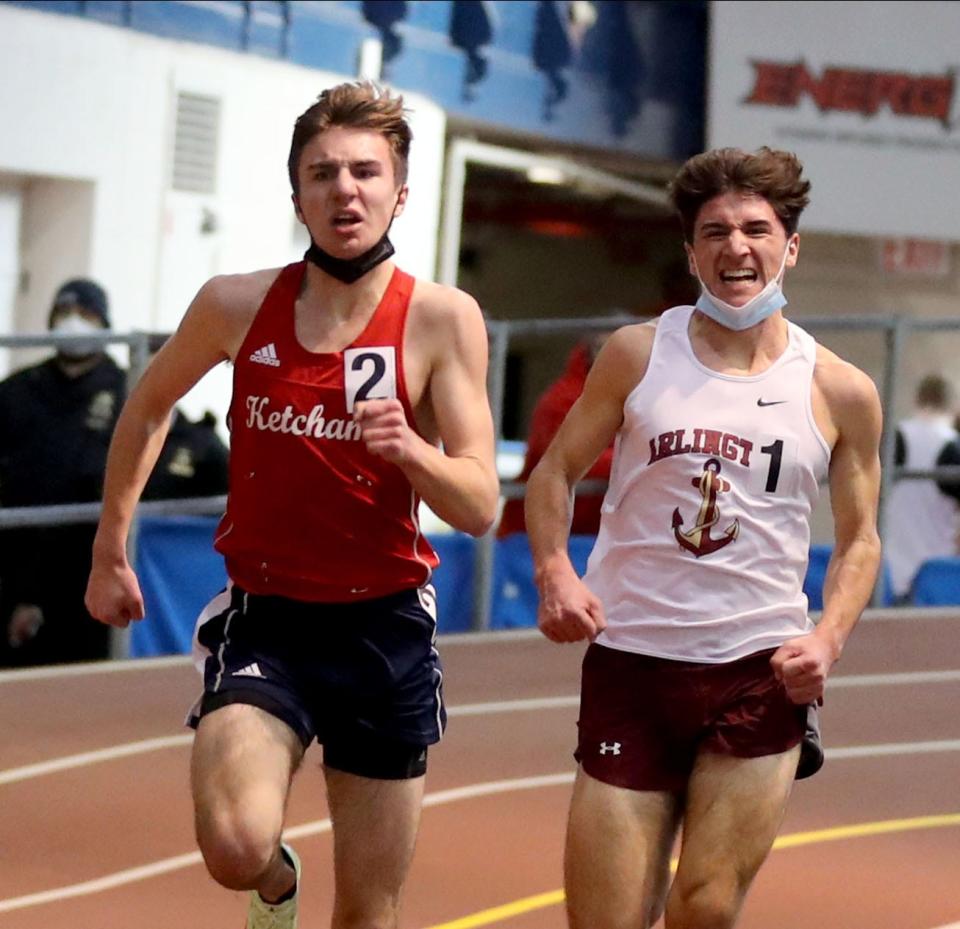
369, 373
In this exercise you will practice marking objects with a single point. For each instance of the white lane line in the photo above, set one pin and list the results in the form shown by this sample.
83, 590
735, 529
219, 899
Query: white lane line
903, 677
178, 862
92, 667
512, 706
892, 748
127, 749
843, 681
108, 882
67, 762
85, 758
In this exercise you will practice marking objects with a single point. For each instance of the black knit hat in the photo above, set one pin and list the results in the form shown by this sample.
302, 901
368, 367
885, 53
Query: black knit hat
82, 292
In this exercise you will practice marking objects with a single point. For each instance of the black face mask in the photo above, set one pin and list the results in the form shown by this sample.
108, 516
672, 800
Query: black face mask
350, 269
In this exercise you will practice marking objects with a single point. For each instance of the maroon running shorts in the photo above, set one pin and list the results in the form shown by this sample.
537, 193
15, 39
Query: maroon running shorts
643, 720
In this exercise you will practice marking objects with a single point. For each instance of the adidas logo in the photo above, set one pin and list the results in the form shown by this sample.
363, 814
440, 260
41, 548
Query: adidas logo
266, 356
251, 670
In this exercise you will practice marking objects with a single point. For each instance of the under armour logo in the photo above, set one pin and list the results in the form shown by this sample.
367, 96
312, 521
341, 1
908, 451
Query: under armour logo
609, 748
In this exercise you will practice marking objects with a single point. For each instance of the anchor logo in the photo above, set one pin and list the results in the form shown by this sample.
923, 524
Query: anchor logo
698, 539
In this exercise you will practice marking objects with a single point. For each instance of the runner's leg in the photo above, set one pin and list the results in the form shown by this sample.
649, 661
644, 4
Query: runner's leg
243, 762
374, 831
617, 860
734, 809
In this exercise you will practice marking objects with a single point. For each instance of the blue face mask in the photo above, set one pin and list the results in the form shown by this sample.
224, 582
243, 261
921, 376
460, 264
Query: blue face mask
754, 311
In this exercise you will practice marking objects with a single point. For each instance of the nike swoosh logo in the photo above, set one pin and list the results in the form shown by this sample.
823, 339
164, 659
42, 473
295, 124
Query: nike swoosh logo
762, 402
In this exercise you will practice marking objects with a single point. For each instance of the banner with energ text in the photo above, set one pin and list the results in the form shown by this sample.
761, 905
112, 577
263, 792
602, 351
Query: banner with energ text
866, 94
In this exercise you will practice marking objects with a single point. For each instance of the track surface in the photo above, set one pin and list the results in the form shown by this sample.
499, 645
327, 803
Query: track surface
105, 841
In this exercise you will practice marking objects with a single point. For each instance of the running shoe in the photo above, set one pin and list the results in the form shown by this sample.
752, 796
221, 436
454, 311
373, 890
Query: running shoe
262, 915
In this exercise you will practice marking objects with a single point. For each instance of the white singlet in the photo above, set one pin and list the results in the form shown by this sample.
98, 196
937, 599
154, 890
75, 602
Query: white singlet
705, 532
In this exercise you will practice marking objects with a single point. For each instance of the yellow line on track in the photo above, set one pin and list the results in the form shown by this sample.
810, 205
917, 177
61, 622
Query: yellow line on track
860, 830
854, 831
498, 913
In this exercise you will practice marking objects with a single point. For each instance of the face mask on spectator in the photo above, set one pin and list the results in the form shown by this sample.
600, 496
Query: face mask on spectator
74, 324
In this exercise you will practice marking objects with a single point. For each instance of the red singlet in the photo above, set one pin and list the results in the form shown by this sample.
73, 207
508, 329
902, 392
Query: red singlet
311, 514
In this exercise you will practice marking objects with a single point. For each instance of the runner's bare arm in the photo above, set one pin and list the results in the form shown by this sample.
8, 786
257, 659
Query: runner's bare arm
568, 610
852, 405
854, 496
210, 333
458, 482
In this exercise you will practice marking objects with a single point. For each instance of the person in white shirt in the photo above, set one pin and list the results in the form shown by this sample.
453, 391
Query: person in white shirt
923, 518
703, 662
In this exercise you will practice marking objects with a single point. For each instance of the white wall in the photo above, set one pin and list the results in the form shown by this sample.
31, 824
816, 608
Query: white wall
54, 243
95, 104
11, 197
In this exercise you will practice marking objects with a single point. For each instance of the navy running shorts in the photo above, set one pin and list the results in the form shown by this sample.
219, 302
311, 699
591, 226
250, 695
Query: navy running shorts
644, 720
363, 678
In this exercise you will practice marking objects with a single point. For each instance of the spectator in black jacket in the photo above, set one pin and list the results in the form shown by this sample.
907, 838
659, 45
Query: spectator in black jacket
56, 421
192, 462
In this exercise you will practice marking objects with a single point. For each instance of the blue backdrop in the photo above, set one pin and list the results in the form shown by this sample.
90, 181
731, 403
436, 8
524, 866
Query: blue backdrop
180, 573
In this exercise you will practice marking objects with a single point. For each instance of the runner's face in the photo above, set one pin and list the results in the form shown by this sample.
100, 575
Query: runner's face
738, 245
348, 193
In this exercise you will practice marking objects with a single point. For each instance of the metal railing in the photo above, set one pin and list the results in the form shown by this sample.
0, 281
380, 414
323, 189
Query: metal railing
896, 329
